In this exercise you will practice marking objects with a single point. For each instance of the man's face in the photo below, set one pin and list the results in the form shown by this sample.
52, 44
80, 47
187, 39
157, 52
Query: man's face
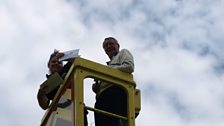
111, 48
55, 65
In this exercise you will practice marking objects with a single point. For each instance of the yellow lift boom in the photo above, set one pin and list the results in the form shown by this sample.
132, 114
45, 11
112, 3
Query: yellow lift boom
73, 115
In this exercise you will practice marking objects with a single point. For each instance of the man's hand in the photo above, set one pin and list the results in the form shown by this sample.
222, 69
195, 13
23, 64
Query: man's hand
96, 87
59, 54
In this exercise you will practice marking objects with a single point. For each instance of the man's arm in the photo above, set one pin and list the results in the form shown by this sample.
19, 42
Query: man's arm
42, 99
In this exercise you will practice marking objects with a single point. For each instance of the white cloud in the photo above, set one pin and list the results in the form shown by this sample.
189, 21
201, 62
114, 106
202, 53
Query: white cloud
176, 45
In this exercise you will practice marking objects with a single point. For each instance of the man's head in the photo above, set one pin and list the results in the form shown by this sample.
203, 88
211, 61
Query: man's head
111, 46
53, 64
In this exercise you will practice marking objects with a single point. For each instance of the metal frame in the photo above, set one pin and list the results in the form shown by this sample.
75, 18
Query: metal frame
82, 69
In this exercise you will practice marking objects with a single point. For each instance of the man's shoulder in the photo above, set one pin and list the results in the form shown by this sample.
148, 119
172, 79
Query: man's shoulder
125, 51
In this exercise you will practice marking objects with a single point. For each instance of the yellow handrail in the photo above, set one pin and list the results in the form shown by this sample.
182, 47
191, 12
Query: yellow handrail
83, 68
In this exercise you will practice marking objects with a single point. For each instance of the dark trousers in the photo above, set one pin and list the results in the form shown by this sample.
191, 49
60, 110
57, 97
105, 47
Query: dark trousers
114, 100
85, 117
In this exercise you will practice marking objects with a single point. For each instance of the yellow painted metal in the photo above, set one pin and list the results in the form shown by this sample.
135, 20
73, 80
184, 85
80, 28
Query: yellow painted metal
78, 98
137, 101
83, 68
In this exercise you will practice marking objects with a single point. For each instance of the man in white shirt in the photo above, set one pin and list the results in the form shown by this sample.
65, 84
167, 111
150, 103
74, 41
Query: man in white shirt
110, 97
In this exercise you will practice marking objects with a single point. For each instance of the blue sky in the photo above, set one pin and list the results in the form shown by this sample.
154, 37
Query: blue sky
177, 46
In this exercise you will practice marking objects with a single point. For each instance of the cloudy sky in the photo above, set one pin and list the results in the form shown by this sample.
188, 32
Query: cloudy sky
177, 45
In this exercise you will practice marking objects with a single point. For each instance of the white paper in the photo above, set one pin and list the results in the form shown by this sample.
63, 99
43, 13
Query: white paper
70, 54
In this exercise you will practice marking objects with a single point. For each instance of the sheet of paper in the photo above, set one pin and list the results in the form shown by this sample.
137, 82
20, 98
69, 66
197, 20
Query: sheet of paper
70, 54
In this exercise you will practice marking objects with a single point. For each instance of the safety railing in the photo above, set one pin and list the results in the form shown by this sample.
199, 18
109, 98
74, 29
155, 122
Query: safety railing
80, 70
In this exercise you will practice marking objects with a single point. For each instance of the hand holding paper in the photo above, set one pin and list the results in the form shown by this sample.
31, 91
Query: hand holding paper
69, 55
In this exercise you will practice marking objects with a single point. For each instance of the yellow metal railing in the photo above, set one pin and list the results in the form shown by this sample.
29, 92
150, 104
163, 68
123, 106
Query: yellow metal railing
82, 69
